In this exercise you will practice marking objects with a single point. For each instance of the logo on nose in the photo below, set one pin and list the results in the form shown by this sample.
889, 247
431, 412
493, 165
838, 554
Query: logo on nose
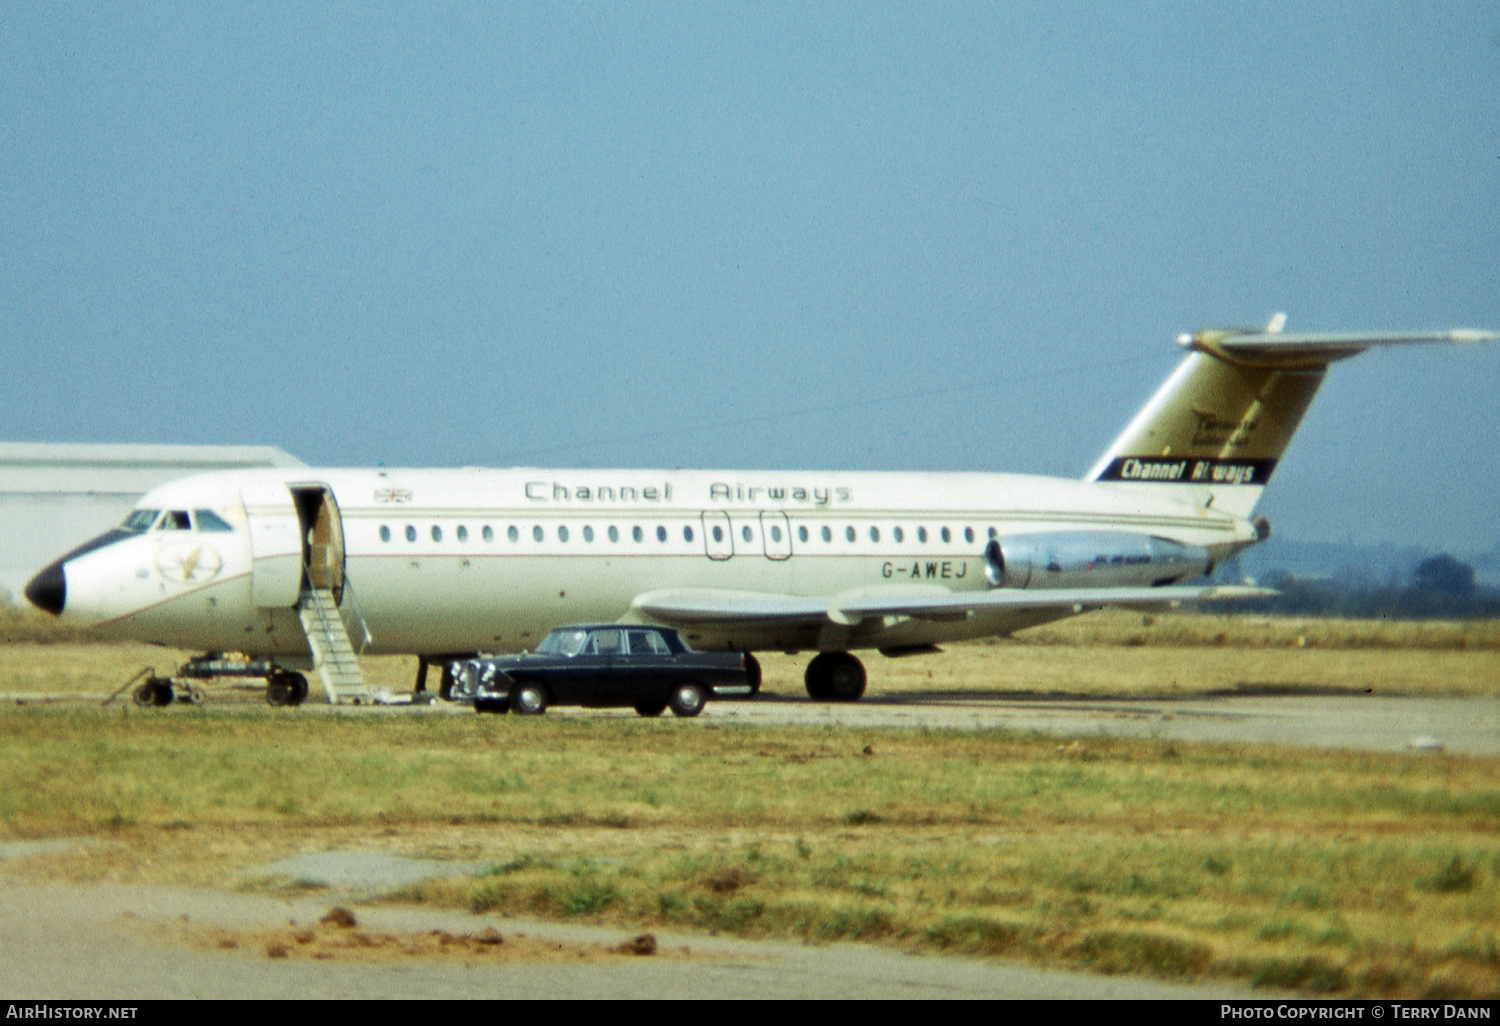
188, 563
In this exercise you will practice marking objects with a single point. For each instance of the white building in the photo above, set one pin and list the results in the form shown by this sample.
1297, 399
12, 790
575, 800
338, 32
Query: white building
54, 497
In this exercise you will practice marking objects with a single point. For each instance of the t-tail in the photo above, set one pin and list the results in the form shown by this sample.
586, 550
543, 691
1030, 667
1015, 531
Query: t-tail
1219, 424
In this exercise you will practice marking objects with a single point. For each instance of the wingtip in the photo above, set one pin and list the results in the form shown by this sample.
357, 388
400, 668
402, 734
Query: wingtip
1465, 335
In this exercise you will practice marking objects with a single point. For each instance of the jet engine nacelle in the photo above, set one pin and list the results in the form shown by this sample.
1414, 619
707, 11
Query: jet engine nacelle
1091, 559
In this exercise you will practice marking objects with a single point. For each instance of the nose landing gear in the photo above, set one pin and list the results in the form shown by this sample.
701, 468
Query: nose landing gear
283, 688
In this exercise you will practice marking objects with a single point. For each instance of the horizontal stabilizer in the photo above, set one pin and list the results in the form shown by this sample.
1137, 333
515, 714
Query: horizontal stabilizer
1278, 349
704, 606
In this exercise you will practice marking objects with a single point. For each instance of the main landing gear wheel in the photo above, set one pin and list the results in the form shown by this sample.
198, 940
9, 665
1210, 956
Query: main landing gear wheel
155, 691
688, 699
835, 677
286, 689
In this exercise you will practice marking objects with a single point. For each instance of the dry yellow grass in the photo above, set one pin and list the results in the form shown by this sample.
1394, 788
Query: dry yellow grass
1334, 872
1109, 654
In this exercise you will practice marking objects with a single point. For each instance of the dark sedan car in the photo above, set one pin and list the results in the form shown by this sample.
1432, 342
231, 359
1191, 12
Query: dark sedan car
646, 668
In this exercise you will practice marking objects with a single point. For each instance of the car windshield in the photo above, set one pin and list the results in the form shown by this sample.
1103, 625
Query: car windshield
566, 642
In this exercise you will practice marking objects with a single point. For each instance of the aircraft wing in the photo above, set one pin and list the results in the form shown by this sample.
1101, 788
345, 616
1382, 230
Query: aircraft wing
715, 606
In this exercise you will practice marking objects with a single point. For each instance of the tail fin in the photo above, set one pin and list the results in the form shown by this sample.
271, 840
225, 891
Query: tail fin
1222, 420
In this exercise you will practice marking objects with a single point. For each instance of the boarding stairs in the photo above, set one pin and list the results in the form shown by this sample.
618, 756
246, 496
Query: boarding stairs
333, 652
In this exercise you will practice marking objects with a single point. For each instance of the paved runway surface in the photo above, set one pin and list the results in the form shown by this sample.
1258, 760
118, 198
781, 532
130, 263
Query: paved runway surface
108, 942
1362, 722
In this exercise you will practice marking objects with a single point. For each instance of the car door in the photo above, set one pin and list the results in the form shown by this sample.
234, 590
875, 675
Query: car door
601, 676
651, 668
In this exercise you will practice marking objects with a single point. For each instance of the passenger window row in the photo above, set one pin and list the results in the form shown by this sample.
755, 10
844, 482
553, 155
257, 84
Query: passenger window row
747, 533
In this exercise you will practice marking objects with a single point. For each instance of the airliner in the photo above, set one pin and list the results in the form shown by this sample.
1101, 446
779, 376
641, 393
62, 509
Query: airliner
274, 571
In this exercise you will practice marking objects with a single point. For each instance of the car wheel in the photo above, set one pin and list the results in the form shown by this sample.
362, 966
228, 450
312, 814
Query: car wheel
528, 700
752, 672
491, 705
688, 699
651, 708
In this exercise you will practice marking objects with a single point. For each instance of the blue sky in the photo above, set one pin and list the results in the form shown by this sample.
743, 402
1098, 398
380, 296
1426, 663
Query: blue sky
864, 236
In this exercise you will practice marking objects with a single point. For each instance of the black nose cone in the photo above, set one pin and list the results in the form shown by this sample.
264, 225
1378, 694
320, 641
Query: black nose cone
49, 589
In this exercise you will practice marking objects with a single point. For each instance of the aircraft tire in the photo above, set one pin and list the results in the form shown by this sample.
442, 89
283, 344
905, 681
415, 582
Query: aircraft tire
835, 677
156, 691
278, 689
816, 679
299, 689
846, 680
688, 699
528, 700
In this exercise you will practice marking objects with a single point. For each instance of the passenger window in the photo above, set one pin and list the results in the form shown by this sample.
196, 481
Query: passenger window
827, 534
947, 535
175, 520
922, 535
661, 533
745, 533
687, 534
875, 534
849, 534
512, 533
562, 533
588, 533
718, 533
488, 533
900, 534
411, 533
614, 533
208, 520
802, 534
385, 533
463, 533
775, 533
536, 533
635, 532
437, 533
646, 643
968, 534
606, 643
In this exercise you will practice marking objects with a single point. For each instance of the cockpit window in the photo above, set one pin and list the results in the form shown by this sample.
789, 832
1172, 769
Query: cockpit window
208, 520
139, 520
175, 520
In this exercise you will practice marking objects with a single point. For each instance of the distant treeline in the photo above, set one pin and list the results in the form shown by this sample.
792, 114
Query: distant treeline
1440, 588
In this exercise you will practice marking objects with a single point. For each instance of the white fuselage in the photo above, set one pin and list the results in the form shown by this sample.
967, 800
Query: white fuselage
451, 561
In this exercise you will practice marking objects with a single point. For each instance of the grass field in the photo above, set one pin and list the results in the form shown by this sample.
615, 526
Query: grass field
1326, 872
